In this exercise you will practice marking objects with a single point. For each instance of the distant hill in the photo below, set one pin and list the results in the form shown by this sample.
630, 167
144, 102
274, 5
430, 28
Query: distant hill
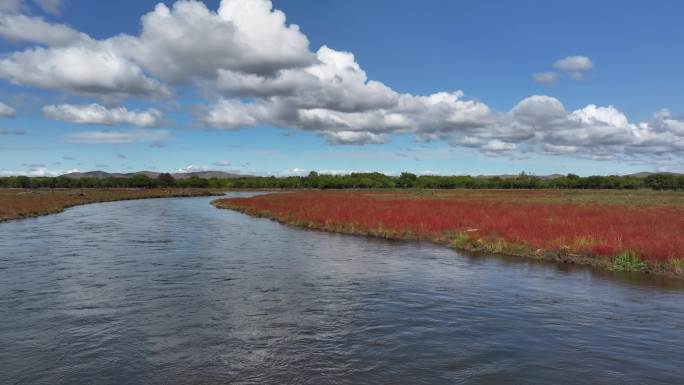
152, 174
646, 174
207, 175
89, 174
226, 175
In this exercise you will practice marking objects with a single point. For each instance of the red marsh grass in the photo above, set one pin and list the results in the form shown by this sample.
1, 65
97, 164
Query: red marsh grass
635, 230
20, 203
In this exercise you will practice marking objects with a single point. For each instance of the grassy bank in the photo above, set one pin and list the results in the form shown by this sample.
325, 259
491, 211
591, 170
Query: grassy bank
618, 230
23, 203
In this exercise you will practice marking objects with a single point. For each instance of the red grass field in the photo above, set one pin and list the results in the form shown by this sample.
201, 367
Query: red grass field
20, 203
594, 224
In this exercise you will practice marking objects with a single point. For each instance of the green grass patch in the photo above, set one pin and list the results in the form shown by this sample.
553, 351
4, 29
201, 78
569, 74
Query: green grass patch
460, 241
628, 261
676, 265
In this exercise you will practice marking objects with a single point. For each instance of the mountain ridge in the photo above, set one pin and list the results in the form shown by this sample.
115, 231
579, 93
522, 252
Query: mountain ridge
226, 175
99, 174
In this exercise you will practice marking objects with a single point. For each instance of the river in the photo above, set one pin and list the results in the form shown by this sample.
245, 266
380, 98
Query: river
174, 291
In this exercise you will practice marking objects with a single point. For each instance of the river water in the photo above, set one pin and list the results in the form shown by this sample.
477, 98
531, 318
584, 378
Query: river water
174, 291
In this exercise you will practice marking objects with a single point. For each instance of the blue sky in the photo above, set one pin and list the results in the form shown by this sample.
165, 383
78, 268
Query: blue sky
162, 95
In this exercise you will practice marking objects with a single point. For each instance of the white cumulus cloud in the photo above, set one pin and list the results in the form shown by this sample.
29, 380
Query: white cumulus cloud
574, 66
18, 27
50, 6
82, 69
255, 69
545, 78
37, 171
10, 6
189, 41
98, 114
7, 111
180, 44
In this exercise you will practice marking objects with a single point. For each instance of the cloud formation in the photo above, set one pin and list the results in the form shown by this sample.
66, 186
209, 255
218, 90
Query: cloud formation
37, 171
155, 137
50, 6
84, 69
7, 111
10, 6
545, 78
32, 29
256, 69
574, 66
97, 114
188, 41
15, 6
185, 43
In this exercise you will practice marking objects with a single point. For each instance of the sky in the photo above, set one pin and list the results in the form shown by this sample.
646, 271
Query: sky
285, 87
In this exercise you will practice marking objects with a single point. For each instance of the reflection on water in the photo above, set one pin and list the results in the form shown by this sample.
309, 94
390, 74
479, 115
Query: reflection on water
173, 291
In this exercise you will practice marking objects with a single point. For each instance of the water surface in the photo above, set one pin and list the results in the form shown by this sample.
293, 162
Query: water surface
174, 291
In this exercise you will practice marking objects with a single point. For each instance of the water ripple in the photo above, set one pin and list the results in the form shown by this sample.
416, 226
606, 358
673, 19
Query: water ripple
173, 291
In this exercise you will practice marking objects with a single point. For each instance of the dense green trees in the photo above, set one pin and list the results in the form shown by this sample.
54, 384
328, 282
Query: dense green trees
166, 180
407, 180
372, 180
665, 181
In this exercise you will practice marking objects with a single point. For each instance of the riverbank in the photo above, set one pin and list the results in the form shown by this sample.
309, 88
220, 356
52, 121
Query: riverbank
26, 203
618, 230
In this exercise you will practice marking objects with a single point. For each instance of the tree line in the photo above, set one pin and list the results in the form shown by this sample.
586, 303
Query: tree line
374, 180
